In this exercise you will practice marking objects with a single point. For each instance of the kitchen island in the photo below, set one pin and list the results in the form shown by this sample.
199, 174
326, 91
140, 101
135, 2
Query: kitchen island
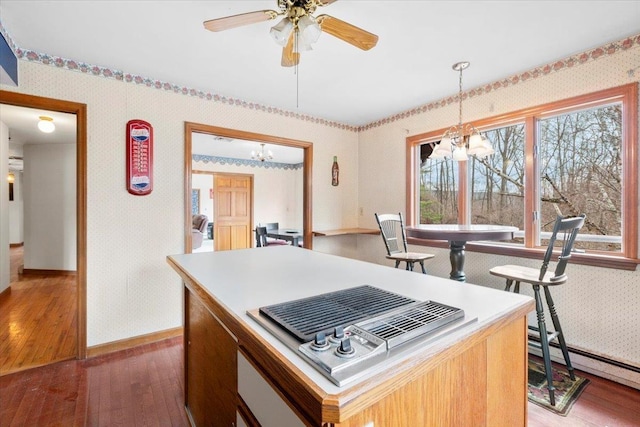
238, 374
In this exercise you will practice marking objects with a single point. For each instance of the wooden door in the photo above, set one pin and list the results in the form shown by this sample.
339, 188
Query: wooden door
233, 199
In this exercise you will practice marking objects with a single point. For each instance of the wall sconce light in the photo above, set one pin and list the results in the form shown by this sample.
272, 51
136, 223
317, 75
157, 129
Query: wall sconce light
46, 124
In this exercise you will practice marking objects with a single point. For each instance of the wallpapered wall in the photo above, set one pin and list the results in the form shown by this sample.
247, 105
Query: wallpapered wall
599, 308
131, 290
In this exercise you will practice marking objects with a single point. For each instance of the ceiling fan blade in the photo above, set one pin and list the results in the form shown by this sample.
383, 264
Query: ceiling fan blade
347, 32
228, 22
289, 57
326, 2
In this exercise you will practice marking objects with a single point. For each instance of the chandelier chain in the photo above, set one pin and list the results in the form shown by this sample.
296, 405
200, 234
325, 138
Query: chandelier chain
460, 99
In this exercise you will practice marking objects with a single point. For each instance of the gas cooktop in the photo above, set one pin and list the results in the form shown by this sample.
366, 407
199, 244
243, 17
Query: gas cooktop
346, 334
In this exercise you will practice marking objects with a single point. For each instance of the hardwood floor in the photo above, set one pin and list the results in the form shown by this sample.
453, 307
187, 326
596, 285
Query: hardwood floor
144, 385
37, 319
136, 387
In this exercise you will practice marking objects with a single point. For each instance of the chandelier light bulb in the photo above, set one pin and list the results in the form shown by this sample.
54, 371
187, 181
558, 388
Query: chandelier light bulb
261, 155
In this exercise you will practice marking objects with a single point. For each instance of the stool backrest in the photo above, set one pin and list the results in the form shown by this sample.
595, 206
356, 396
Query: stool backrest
565, 231
392, 232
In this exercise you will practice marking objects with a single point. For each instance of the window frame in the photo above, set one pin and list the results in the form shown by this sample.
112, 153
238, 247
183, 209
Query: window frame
627, 95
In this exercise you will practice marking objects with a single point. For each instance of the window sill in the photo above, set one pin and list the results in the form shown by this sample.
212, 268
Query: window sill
593, 259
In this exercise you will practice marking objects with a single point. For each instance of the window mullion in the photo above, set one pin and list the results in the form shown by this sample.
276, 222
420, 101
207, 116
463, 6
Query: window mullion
531, 185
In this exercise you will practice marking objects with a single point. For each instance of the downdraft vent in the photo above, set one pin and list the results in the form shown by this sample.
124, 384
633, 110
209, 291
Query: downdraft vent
417, 320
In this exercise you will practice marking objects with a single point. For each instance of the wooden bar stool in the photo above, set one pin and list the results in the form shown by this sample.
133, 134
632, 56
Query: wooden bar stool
568, 229
392, 232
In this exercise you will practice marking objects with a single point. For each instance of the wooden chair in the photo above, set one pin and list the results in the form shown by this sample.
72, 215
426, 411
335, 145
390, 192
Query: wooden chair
564, 232
392, 232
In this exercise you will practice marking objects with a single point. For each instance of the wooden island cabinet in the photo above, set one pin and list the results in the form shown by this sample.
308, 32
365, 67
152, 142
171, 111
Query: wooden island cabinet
238, 374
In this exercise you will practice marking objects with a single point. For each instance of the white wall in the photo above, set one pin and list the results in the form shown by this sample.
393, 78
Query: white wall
4, 207
16, 213
50, 207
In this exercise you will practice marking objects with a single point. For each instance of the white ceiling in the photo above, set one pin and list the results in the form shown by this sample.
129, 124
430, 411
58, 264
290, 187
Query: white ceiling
23, 126
410, 66
239, 149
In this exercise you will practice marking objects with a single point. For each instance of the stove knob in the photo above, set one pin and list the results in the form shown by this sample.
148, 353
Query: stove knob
320, 342
345, 349
338, 335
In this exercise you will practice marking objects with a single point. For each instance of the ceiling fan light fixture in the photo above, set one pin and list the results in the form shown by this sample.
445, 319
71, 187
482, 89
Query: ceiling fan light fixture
281, 31
46, 124
300, 44
309, 30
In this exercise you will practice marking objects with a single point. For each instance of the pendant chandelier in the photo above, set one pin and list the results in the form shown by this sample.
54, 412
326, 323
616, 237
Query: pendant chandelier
261, 155
462, 140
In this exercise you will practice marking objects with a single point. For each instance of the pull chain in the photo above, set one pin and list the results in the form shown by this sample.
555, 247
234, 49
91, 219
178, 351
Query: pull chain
296, 69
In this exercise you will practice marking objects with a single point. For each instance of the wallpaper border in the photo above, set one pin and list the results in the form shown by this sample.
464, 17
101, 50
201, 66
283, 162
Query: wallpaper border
557, 66
244, 162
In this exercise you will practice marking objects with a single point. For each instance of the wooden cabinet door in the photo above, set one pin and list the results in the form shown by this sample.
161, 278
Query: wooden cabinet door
232, 211
211, 379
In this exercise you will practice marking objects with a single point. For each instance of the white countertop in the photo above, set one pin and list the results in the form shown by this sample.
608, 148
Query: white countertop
247, 279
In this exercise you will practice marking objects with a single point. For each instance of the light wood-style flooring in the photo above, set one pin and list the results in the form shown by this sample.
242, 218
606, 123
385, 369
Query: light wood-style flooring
143, 386
37, 319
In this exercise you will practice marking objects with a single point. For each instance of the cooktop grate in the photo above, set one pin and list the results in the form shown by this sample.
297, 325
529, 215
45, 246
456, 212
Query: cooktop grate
306, 317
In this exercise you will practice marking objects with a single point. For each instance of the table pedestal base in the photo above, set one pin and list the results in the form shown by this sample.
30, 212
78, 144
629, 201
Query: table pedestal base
456, 255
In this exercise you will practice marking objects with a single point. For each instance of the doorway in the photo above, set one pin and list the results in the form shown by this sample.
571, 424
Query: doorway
202, 203
306, 147
79, 280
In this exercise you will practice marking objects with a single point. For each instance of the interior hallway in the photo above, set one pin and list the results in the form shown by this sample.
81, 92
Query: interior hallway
37, 318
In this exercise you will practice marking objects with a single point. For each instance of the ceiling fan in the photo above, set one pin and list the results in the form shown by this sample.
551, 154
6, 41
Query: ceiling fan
298, 28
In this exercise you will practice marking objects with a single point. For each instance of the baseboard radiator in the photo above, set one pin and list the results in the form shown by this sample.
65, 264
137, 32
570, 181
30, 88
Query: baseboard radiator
595, 364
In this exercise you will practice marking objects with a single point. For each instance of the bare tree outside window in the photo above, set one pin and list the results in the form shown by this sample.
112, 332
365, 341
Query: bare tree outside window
568, 157
438, 192
581, 172
497, 181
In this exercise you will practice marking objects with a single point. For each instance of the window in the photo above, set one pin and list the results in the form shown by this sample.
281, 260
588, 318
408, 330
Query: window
570, 157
